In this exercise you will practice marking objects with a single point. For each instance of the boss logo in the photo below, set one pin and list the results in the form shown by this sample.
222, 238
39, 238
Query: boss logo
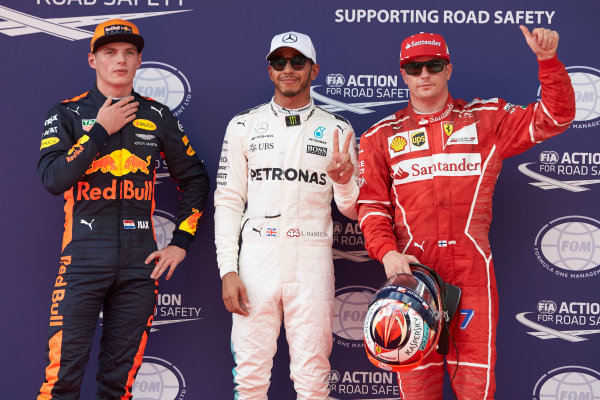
318, 150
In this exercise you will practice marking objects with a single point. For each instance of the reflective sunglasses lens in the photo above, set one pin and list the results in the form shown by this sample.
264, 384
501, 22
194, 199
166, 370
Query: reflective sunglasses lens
435, 66
298, 63
278, 63
413, 68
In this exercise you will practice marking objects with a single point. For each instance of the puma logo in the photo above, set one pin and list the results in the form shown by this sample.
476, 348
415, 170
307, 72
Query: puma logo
157, 110
420, 245
83, 221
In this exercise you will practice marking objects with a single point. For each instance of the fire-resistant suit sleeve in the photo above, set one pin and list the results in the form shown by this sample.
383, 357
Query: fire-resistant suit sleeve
230, 199
345, 195
192, 180
64, 157
375, 210
519, 128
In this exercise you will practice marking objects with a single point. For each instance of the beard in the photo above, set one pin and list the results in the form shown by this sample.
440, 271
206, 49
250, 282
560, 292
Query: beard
292, 92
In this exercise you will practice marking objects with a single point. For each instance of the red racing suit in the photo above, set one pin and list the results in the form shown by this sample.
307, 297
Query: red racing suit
426, 189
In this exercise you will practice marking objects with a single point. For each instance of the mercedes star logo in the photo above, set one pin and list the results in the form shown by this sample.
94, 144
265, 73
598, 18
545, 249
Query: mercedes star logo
262, 127
290, 38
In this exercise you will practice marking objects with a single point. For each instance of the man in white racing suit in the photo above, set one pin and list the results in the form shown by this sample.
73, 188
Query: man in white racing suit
280, 167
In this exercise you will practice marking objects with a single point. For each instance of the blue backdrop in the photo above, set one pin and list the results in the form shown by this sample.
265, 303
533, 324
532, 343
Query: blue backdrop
205, 60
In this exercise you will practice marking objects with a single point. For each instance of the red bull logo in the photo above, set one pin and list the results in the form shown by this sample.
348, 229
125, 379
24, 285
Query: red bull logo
134, 164
191, 222
56, 318
119, 163
104, 164
125, 190
77, 148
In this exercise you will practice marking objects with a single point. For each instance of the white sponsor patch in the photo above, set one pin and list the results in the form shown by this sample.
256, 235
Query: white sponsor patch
480, 101
444, 164
406, 142
466, 135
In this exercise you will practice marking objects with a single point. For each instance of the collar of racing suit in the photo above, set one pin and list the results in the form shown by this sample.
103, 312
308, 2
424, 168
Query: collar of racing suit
99, 98
426, 119
281, 112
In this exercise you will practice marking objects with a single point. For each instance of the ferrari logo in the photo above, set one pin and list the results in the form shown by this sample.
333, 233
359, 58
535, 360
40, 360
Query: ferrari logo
448, 128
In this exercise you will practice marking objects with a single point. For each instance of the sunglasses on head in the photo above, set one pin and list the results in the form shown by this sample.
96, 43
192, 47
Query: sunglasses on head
433, 67
279, 63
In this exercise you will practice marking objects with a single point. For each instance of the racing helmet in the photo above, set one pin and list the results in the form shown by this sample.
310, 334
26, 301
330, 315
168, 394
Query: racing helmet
405, 319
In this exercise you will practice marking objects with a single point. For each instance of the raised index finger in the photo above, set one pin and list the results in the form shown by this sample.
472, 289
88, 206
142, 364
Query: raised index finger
336, 142
347, 143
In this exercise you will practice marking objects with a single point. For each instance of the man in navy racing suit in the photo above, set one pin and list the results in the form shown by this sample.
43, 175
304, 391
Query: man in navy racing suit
100, 153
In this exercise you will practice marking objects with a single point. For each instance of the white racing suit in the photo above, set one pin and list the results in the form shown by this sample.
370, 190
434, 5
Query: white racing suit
273, 189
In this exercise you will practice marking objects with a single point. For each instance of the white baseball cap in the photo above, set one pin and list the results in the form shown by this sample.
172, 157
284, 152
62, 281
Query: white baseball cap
295, 40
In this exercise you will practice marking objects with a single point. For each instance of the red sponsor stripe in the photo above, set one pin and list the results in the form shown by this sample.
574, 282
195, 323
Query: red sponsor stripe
55, 345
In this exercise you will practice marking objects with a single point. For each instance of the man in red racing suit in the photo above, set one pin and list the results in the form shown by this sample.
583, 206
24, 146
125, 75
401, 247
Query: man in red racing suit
427, 178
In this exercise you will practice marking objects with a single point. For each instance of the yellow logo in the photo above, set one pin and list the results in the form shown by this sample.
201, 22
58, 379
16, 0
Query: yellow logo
49, 142
78, 146
398, 144
448, 128
186, 141
120, 162
190, 223
418, 139
144, 124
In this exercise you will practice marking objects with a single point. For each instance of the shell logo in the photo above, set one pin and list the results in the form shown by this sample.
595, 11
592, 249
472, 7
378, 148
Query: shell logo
398, 144
144, 124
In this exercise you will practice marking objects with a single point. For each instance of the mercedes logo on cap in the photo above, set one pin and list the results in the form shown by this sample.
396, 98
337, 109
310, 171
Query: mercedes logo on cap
290, 38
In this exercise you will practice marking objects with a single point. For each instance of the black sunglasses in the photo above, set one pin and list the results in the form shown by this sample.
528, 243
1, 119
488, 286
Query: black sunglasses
433, 67
279, 63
